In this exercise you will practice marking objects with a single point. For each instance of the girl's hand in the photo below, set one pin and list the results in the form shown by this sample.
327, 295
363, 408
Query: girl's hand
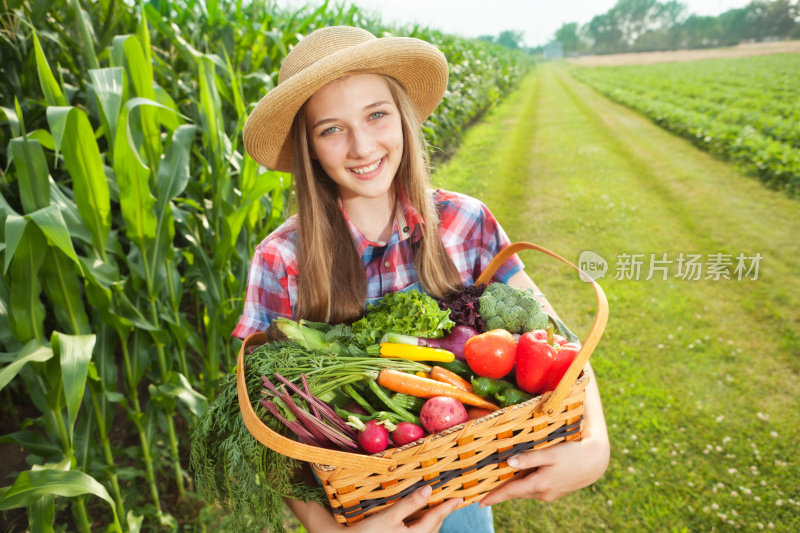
393, 518
560, 469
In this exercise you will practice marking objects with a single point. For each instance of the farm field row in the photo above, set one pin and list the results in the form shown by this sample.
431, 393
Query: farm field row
745, 110
698, 375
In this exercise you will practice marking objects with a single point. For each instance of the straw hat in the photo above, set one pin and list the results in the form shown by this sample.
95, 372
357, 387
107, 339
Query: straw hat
326, 55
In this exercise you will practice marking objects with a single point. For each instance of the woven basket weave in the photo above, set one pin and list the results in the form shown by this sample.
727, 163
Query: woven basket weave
466, 461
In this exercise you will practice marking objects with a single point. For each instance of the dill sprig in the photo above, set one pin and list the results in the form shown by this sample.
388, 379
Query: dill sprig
235, 470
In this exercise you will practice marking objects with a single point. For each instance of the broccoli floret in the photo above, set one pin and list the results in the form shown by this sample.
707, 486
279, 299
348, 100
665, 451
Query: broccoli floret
529, 302
487, 306
536, 321
514, 318
495, 322
505, 307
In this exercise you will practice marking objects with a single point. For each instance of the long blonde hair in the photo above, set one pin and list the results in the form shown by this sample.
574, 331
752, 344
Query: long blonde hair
332, 285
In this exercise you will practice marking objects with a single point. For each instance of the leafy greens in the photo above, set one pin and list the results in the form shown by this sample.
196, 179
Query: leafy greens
408, 313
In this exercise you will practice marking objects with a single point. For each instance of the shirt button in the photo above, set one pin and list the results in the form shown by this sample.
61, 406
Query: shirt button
405, 229
386, 264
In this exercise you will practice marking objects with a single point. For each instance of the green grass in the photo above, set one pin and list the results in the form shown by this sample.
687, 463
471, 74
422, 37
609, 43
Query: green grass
698, 378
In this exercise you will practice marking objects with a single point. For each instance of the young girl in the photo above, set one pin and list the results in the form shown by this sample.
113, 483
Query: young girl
345, 119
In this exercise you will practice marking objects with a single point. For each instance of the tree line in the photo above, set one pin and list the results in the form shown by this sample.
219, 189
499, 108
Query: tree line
650, 25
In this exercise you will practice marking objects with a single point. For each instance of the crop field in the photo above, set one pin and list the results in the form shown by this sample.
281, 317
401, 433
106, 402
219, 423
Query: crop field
698, 375
746, 110
129, 213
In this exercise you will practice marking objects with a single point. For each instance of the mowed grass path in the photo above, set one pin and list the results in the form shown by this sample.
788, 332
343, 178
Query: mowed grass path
699, 378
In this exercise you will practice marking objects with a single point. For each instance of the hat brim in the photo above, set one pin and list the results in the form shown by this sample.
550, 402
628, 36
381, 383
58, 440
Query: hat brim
419, 67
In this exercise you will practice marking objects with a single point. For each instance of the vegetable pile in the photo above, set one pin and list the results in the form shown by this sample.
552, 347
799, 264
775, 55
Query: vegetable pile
404, 371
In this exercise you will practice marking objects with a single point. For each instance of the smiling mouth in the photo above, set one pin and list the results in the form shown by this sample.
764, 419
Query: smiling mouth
360, 171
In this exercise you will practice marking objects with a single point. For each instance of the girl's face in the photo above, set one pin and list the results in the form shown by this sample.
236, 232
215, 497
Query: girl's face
355, 132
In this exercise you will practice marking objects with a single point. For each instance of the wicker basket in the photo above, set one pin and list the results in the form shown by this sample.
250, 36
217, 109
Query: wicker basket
466, 461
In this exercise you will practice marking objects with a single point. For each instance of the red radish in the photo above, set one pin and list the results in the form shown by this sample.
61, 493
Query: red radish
407, 432
374, 437
442, 412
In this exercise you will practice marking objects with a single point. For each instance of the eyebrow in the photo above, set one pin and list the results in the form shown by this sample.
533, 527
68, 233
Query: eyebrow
367, 107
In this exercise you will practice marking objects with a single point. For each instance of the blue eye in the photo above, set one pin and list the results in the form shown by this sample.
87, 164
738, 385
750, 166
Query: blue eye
328, 131
377, 114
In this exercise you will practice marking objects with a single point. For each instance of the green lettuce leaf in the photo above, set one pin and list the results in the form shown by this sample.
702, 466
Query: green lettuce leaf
408, 313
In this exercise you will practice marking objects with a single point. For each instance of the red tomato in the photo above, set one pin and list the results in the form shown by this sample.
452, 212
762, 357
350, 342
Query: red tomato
491, 354
564, 356
535, 358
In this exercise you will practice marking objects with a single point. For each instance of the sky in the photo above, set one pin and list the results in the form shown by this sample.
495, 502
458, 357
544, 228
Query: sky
537, 19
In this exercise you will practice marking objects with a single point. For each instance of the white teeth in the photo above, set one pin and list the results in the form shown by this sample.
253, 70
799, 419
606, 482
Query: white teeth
364, 170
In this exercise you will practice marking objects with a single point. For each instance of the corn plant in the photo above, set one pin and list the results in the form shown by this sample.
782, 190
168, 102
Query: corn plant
129, 213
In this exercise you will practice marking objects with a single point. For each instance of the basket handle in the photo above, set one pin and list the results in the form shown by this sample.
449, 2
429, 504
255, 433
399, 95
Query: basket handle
292, 448
551, 401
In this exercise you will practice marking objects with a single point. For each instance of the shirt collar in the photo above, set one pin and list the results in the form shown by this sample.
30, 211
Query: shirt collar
406, 219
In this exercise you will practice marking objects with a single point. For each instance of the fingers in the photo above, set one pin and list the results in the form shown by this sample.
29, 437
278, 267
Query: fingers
531, 459
520, 488
432, 520
409, 504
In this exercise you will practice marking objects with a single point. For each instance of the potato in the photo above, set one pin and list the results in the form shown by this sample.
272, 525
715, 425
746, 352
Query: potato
442, 412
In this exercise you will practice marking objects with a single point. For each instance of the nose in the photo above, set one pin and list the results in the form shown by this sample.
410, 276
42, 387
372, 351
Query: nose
361, 143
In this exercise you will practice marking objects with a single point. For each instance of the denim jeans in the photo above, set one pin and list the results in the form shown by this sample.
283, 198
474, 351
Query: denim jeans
469, 519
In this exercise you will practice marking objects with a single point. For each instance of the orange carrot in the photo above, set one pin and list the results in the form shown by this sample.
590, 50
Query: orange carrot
445, 376
398, 381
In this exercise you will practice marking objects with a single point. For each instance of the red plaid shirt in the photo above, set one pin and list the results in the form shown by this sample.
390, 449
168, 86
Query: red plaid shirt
470, 233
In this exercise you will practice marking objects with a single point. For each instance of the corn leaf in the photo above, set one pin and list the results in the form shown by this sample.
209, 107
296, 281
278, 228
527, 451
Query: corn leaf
127, 48
180, 388
32, 173
108, 89
6, 335
33, 351
34, 441
210, 111
27, 311
136, 201
74, 352
85, 165
13, 121
205, 275
85, 31
31, 485
53, 226
50, 88
75, 225
173, 175
62, 284
171, 121
42, 514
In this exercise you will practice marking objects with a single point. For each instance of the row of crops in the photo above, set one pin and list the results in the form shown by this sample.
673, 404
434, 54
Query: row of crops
129, 214
746, 110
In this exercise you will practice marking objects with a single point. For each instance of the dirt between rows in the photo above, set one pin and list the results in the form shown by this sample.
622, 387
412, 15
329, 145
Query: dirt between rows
646, 58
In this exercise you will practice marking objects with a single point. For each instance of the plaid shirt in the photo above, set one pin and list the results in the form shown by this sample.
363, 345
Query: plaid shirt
470, 233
